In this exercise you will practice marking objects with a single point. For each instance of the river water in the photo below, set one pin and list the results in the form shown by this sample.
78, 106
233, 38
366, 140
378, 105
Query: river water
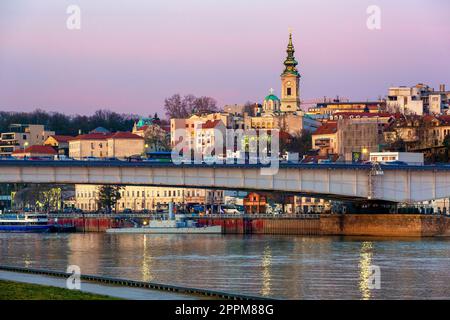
284, 267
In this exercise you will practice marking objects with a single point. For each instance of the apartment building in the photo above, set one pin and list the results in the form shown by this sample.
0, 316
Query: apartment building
104, 145
138, 198
21, 136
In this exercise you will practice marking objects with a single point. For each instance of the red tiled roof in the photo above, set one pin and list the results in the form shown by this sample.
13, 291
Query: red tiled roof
125, 135
37, 149
104, 136
326, 128
60, 138
210, 124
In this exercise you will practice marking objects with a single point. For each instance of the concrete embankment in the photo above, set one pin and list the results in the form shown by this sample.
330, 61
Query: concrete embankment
389, 225
395, 225
119, 288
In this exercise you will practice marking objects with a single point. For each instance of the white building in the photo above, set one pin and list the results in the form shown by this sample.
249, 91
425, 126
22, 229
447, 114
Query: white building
408, 157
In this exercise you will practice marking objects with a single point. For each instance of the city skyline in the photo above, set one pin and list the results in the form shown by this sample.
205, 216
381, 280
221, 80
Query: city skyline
128, 58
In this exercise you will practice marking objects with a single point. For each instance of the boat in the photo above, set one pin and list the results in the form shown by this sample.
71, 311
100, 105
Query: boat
24, 222
179, 224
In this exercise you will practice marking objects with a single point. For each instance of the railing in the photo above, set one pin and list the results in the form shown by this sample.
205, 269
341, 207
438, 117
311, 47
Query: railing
137, 284
165, 216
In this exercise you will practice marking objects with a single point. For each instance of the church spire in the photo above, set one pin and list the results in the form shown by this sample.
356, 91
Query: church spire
290, 63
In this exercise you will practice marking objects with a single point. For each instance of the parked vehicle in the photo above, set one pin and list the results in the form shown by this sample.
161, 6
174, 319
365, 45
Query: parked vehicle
134, 158
91, 159
62, 157
395, 163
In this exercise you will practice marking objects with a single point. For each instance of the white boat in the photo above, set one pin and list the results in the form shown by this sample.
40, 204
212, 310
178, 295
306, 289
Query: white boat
178, 225
24, 222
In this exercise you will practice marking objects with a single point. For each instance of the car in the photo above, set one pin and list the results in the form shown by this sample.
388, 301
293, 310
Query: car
91, 159
111, 159
8, 158
62, 157
38, 158
134, 158
127, 211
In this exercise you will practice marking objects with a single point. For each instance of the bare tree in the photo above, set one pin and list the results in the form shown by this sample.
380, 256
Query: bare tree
204, 105
178, 107
175, 107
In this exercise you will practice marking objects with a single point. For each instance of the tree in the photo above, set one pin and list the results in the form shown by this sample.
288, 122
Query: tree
156, 138
203, 105
446, 144
300, 142
177, 107
108, 196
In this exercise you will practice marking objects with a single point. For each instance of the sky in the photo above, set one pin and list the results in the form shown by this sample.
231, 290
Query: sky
129, 55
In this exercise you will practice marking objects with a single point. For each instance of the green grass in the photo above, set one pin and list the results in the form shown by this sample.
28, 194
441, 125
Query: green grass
10, 290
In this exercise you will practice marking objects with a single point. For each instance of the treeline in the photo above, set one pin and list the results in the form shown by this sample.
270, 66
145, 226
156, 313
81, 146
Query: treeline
69, 124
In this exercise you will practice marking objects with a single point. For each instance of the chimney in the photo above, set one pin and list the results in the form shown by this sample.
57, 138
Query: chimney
442, 87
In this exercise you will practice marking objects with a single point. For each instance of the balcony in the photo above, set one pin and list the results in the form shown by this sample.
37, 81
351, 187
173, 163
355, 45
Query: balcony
323, 143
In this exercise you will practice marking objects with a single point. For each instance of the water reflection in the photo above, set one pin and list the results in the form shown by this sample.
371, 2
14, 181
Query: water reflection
364, 269
266, 264
275, 266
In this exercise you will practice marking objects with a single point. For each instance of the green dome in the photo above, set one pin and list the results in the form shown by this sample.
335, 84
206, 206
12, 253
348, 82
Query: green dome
271, 97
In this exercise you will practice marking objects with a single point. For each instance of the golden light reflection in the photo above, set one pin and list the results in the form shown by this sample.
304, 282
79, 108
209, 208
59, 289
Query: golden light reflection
146, 261
364, 269
266, 264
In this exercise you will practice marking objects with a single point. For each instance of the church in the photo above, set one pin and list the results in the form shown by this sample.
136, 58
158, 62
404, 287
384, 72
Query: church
285, 112
290, 91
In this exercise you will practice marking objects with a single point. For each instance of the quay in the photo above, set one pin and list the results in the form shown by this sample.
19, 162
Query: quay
119, 288
393, 224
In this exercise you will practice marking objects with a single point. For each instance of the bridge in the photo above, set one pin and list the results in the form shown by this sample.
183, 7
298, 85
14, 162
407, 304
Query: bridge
391, 183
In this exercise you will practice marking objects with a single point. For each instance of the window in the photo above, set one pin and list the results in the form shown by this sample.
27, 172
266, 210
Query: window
288, 91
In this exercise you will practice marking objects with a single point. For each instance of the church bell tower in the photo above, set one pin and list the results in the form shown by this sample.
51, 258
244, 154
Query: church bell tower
290, 80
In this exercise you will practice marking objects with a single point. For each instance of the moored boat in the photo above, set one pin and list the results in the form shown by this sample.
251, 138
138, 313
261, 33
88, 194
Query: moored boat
24, 222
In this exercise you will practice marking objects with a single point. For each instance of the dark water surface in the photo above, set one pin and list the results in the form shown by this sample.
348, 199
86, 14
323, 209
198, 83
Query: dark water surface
275, 266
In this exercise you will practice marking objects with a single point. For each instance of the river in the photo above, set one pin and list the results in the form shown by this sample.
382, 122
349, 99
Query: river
285, 267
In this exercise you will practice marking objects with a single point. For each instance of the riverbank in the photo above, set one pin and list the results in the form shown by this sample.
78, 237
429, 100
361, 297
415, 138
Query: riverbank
11, 290
378, 225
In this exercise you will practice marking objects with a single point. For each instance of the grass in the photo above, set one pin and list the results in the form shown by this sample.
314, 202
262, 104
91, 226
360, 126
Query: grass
10, 290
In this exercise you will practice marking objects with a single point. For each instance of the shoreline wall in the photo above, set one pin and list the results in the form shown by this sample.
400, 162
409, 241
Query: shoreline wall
390, 225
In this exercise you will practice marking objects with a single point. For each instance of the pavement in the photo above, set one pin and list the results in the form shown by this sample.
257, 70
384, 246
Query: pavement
108, 290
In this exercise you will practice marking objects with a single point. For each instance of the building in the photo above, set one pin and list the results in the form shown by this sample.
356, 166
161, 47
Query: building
156, 135
357, 138
415, 158
35, 151
255, 203
420, 99
290, 82
21, 136
424, 134
325, 140
139, 198
406, 99
325, 110
188, 128
212, 132
59, 143
105, 145
282, 114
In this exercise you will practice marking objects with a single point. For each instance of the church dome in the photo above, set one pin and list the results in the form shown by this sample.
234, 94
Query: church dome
271, 103
271, 97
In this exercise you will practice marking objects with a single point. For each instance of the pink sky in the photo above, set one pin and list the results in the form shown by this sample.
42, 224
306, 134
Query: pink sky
130, 55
